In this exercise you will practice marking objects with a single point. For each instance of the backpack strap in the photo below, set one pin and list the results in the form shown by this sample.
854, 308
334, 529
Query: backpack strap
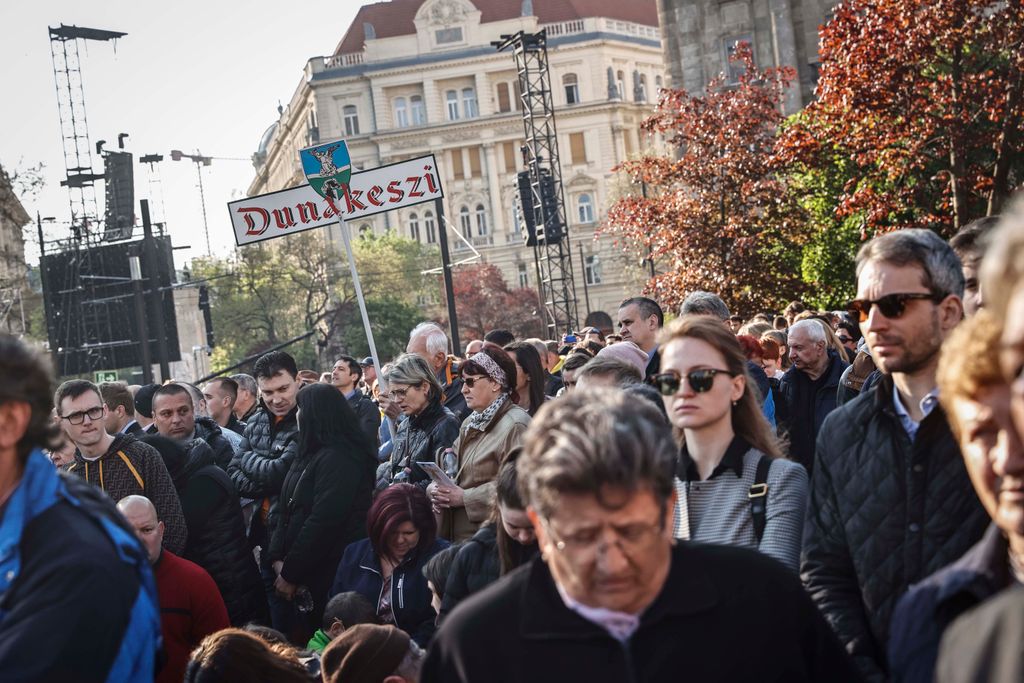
758, 495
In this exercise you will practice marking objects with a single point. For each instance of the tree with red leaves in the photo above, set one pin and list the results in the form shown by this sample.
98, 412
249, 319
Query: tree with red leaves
926, 99
485, 302
718, 215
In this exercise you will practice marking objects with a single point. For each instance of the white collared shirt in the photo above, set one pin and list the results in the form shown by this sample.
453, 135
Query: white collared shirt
927, 405
620, 625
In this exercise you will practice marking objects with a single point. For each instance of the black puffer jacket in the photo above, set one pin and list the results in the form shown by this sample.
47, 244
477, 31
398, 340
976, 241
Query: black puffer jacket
216, 534
884, 513
323, 508
420, 437
475, 567
210, 432
368, 413
258, 468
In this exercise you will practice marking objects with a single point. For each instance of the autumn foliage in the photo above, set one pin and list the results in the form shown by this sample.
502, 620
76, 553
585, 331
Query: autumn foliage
484, 302
719, 214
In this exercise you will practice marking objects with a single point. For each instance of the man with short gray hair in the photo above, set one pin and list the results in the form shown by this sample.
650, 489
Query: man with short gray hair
428, 341
704, 303
609, 372
612, 597
247, 398
809, 387
891, 501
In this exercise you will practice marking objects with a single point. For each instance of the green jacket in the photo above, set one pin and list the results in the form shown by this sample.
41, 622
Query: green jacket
319, 641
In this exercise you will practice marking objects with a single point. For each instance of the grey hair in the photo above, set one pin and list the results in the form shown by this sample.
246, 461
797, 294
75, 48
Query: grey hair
247, 382
940, 266
815, 329
1002, 269
584, 442
436, 341
410, 369
704, 303
541, 346
622, 372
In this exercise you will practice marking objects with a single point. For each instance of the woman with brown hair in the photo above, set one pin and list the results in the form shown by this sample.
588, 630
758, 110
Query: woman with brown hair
494, 428
733, 484
236, 656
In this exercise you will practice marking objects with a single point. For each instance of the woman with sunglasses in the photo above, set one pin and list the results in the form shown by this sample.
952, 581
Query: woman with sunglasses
429, 427
734, 486
494, 428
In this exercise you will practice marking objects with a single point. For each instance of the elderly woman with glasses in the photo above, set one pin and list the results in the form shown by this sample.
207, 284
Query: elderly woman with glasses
494, 428
429, 427
733, 485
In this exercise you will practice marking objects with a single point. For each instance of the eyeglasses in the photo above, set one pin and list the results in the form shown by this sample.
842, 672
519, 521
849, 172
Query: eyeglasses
844, 339
700, 380
470, 381
79, 417
891, 305
400, 393
587, 544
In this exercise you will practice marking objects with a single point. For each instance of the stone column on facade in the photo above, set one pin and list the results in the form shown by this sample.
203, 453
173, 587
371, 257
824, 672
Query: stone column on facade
483, 94
784, 42
431, 103
494, 190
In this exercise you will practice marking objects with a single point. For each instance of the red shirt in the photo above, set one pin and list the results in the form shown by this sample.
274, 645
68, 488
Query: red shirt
191, 608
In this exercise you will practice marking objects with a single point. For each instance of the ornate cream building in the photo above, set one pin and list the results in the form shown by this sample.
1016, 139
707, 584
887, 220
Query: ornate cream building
413, 77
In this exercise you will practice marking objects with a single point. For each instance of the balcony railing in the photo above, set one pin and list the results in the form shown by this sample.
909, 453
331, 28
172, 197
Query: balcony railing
350, 59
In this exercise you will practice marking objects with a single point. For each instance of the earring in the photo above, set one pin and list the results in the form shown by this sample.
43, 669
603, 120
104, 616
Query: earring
734, 403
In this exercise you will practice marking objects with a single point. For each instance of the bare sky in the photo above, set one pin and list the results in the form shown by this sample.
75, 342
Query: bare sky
189, 75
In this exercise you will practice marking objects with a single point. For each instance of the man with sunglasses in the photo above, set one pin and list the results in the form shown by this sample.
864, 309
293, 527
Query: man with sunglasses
891, 501
119, 465
612, 598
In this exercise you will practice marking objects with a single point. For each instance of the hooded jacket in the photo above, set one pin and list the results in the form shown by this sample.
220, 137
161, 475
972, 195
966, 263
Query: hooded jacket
131, 467
210, 432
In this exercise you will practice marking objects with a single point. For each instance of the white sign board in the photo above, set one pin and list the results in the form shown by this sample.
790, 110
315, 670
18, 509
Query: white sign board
266, 216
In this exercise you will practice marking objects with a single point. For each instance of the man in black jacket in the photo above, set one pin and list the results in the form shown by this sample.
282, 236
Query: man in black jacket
809, 388
612, 598
345, 376
175, 418
269, 446
890, 498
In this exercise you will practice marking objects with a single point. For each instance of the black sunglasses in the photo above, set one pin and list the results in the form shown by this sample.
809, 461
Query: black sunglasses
891, 305
668, 383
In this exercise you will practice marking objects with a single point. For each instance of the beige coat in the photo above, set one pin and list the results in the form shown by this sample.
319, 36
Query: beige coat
480, 454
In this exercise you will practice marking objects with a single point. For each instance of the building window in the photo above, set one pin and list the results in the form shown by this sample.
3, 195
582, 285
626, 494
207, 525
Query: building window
469, 107
474, 162
448, 35
504, 101
733, 69
585, 208
620, 84
401, 113
517, 217
452, 99
351, 118
657, 84
365, 230
642, 90
572, 88
419, 112
578, 148
593, 270
465, 223
481, 220
414, 227
517, 95
430, 227
508, 151
524, 276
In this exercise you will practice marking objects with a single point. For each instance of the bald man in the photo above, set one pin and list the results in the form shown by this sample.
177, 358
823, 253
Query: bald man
191, 607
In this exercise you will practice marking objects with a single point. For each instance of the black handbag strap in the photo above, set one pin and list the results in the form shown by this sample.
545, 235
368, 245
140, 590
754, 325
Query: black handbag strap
758, 496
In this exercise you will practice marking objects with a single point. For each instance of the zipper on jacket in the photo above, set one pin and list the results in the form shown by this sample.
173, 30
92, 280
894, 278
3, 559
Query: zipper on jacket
628, 655
401, 593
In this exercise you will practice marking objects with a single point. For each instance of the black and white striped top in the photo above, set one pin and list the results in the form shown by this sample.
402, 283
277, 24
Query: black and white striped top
717, 510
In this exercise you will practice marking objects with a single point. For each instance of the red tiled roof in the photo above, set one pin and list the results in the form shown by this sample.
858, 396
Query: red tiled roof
395, 18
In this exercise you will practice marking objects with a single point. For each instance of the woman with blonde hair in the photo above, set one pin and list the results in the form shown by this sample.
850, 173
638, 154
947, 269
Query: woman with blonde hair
734, 486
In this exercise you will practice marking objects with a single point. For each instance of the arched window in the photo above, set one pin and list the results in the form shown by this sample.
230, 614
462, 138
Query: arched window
419, 112
643, 88
620, 83
351, 118
430, 227
657, 82
469, 108
481, 220
401, 113
572, 88
452, 100
585, 208
466, 223
414, 226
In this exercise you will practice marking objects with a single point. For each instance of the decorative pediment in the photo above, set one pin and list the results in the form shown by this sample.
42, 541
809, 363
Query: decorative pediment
445, 12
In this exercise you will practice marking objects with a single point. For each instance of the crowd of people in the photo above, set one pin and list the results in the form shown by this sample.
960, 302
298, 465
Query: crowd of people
802, 496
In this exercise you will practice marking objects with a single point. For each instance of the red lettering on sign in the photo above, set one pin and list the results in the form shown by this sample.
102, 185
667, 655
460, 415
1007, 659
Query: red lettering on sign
395, 190
373, 195
308, 212
330, 212
284, 218
430, 180
251, 227
415, 191
352, 203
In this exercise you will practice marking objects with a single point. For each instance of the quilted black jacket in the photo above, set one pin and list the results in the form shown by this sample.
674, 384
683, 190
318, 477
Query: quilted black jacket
419, 438
261, 463
210, 432
884, 513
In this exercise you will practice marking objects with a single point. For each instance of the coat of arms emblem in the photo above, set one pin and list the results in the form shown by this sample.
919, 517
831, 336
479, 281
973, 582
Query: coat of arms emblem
327, 167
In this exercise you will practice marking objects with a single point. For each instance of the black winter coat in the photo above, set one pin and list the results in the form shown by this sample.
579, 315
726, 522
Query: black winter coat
210, 432
808, 403
369, 415
258, 469
420, 437
323, 508
216, 535
884, 513
723, 614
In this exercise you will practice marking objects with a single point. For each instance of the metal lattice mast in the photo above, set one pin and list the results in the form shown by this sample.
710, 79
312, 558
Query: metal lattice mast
540, 153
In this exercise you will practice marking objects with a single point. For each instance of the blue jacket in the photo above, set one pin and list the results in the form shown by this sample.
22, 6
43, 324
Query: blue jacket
927, 608
77, 597
360, 571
